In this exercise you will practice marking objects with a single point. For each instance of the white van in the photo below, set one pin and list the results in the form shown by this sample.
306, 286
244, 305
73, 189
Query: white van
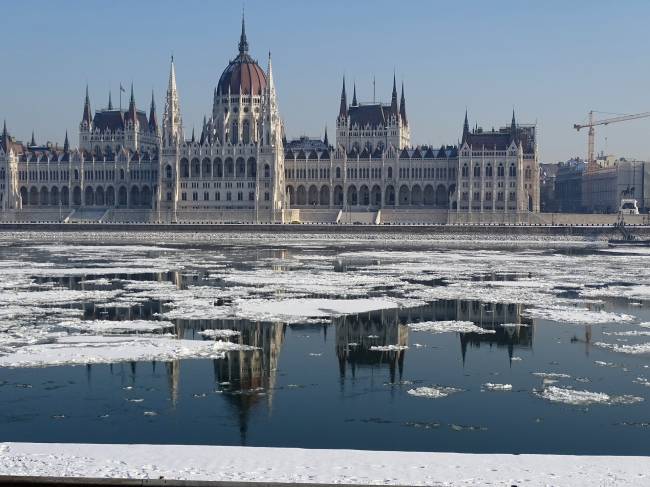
629, 207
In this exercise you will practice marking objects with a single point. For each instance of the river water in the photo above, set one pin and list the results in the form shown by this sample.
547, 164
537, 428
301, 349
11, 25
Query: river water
467, 346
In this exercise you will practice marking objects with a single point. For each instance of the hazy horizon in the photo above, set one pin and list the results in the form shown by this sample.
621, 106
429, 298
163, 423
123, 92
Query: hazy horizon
551, 62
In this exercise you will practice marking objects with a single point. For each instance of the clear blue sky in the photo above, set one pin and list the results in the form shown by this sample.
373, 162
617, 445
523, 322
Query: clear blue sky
552, 61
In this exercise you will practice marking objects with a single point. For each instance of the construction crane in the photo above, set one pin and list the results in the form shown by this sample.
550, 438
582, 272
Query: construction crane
591, 123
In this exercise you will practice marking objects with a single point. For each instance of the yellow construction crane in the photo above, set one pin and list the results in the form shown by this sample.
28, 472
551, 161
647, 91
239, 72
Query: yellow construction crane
591, 123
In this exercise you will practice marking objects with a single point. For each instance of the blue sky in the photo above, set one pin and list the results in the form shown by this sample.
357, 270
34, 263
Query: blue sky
552, 61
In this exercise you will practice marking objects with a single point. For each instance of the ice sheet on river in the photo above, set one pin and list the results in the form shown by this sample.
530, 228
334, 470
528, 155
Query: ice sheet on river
89, 349
583, 398
449, 327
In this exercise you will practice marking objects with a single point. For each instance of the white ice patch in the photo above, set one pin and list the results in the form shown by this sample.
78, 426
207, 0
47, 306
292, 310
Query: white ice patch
497, 387
552, 375
449, 327
116, 327
84, 349
637, 349
577, 315
292, 309
388, 348
433, 392
219, 333
583, 398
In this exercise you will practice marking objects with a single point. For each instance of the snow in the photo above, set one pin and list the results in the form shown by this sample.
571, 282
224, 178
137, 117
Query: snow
577, 315
433, 392
88, 349
583, 398
219, 333
449, 326
292, 465
636, 349
388, 348
110, 327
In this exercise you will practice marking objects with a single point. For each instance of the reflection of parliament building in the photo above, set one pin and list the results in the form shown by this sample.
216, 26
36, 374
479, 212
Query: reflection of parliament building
388, 327
131, 167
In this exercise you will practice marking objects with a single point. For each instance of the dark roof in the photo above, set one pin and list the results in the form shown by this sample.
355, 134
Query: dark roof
374, 115
501, 139
243, 75
115, 120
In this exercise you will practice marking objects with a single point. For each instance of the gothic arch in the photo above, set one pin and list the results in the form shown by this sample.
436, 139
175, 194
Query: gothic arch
110, 196
218, 168
352, 198
252, 168
312, 196
390, 195
229, 168
416, 195
364, 195
324, 195
65, 196
375, 196
44, 199
99, 196
429, 196
135, 196
404, 196
291, 195
301, 196
207, 168
54, 196
240, 171
89, 196
338, 195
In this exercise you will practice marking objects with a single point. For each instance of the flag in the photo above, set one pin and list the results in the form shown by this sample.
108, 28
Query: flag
122, 88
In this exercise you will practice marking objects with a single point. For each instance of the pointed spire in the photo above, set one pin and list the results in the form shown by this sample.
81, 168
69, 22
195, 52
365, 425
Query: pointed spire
32, 142
325, 139
110, 101
343, 109
393, 99
153, 120
172, 124
354, 95
465, 127
4, 129
402, 107
131, 115
132, 100
513, 127
243, 43
66, 143
87, 116
193, 138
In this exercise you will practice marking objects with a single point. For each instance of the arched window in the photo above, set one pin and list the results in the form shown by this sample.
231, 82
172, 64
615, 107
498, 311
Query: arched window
500, 171
488, 170
477, 171
512, 171
390, 172
465, 171
168, 171
267, 171
528, 172
338, 173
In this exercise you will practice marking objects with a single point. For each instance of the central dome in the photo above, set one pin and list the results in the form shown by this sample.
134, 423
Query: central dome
243, 75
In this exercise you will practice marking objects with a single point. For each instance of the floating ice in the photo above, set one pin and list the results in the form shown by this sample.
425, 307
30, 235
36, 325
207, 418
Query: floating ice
577, 315
449, 326
388, 348
219, 333
636, 349
116, 327
433, 392
552, 375
583, 398
85, 349
497, 387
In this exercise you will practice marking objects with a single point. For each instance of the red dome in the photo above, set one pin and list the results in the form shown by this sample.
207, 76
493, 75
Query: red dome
242, 74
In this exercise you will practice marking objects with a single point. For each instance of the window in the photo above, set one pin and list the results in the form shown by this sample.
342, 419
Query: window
169, 196
512, 171
267, 196
465, 171
500, 171
184, 196
195, 196
217, 196
251, 196
488, 171
206, 196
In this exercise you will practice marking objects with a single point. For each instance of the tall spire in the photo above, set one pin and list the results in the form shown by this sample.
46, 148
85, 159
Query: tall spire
402, 107
354, 95
131, 113
465, 127
393, 99
66, 143
172, 124
343, 109
243, 43
513, 127
325, 139
87, 116
4, 129
110, 101
32, 142
153, 120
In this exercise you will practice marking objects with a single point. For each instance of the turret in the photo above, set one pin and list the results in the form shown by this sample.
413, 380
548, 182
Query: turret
243, 43
343, 109
354, 95
402, 107
393, 100
153, 120
513, 128
325, 139
465, 129
110, 101
87, 117
66, 143
32, 142
172, 124
131, 115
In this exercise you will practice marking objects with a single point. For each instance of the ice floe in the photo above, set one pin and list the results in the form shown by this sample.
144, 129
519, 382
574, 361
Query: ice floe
433, 392
449, 326
636, 349
577, 315
116, 327
584, 398
497, 387
219, 333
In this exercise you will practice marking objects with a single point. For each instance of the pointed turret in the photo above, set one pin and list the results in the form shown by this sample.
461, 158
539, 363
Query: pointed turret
66, 143
110, 101
402, 107
354, 95
5, 133
204, 130
243, 43
32, 142
343, 109
87, 115
465, 128
325, 139
513, 128
153, 120
172, 124
4, 140
193, 138
131, 113
393, 99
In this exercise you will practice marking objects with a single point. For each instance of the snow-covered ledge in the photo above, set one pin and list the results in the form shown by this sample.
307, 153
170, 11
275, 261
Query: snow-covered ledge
282, 465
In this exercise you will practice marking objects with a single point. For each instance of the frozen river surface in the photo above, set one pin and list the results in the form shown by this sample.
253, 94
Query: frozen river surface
323, 343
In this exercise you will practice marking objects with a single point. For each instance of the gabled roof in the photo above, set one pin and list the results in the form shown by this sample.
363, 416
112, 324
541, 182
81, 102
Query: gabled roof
375, 115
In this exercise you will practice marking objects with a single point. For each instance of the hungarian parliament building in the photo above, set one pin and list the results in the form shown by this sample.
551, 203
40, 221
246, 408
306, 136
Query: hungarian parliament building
131, 166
